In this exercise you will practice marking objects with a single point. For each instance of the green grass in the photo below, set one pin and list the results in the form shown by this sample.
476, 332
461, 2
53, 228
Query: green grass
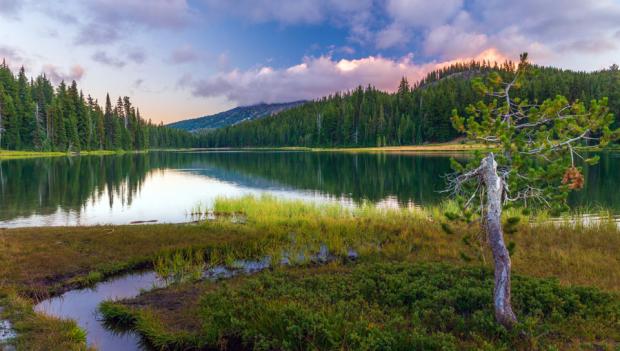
180, 266
11, 154
453, 146
38, 331
382, 306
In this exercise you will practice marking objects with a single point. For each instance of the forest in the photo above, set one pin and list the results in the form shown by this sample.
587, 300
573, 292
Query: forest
415, 114
36, 116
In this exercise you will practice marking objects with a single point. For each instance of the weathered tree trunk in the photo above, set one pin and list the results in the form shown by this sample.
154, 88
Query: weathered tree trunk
501, 257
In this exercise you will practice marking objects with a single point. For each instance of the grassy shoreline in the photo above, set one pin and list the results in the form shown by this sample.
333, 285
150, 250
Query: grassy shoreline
453, 147
39, 262
12, 154
439, 148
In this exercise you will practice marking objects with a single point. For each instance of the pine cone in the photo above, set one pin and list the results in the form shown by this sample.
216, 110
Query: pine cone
573, 178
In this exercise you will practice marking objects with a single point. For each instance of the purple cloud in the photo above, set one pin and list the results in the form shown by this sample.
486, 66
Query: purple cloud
102, 57
184, 54
109, 18
10, 8
96, 34
136, 55
52, 72
10, 55
155, 13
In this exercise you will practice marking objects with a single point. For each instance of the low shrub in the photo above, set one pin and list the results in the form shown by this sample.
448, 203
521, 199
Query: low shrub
397, 306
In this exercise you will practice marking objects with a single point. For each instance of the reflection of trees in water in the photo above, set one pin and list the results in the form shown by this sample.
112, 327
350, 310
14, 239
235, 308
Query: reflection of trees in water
357, 176
44, 185
602, 184
374, 177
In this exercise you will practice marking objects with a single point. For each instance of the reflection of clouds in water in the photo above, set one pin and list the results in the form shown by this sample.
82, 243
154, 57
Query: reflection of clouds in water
166, 196
392, 203
81, 306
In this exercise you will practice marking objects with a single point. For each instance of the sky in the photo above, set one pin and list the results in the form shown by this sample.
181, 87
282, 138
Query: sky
179, 59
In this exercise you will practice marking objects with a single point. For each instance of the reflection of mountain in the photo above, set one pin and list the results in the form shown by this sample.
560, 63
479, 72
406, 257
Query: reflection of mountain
236, 178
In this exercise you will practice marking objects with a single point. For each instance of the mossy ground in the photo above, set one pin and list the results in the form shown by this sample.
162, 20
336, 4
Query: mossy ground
42, 261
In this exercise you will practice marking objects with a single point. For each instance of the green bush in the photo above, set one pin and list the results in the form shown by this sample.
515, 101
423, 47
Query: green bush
401, 307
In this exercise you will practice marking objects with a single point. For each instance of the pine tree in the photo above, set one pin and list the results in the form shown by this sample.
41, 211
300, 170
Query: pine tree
109, 124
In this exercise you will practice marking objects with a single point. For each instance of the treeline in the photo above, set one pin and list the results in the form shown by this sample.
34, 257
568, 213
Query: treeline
414, 114
36, 116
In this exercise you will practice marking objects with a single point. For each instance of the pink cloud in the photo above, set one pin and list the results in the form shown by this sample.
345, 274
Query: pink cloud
316, 77
52, 72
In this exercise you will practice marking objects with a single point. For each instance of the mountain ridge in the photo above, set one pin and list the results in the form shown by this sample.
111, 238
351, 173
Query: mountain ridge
233, 116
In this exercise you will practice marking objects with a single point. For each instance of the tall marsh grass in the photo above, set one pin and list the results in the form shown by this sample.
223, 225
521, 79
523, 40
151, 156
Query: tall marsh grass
570, 247
180, 266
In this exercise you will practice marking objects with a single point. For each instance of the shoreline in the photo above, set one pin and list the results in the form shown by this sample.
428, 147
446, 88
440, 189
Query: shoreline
440, 148
19, 154
427, 148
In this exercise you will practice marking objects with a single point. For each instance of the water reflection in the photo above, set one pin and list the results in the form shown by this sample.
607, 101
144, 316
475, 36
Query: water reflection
81, 305
163, 186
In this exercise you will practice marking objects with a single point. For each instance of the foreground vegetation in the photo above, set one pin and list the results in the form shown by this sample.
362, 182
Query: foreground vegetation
376, 306
399, 251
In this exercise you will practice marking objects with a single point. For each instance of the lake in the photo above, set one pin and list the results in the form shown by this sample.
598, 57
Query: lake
165, 186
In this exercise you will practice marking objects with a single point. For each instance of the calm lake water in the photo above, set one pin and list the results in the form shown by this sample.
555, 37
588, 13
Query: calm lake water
164, 186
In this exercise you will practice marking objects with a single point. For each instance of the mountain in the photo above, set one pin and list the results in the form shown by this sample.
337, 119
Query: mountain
234, 116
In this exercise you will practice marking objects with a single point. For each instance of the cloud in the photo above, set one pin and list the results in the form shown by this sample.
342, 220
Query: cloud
452, 41
10, 8
391, 36
154, 14
10, 55
313, 78
588, 46
184, 54
108, 18
223, 62
96, 34
423, 13
52, 72
290, 12
103, 58
136, 55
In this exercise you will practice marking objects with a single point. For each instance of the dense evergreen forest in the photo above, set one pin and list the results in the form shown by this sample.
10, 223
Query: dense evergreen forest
36, 116
415, 114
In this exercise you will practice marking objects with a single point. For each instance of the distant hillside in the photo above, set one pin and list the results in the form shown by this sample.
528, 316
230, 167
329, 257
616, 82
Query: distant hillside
414, 114
234, 116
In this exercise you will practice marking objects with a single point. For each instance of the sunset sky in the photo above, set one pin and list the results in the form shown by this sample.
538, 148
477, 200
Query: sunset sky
179, 59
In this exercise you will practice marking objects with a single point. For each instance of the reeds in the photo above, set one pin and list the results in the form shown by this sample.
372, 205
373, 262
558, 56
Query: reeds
180, 266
